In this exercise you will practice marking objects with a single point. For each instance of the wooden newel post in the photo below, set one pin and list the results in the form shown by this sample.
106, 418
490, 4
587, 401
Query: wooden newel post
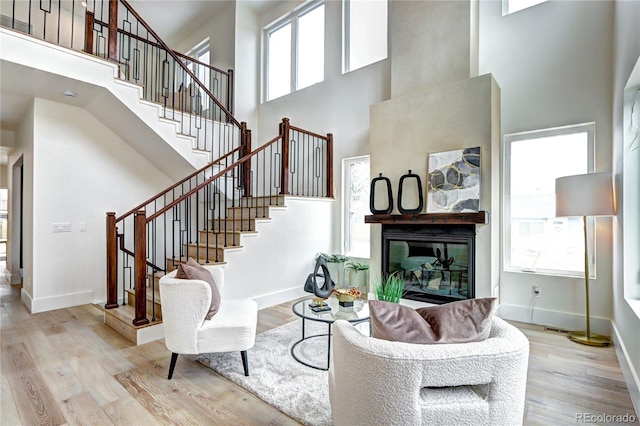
88, 32
329, 165
112, 262
284, 172
113, 30
230, 92
140, 267
246, 167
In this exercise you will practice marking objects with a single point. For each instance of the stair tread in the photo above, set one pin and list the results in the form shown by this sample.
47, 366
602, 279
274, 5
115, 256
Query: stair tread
212, 246
213, 231
200, 261
148, 293
126, 314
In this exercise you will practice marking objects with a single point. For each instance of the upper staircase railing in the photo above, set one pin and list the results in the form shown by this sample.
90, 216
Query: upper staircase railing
111, 29
204, 214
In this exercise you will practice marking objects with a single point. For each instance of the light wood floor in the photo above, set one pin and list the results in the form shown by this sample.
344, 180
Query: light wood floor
67, 367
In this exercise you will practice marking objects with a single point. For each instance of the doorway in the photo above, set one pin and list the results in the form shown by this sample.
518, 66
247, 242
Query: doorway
17, 203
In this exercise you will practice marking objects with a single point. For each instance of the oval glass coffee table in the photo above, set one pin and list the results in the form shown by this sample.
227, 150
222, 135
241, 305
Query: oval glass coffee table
358, 314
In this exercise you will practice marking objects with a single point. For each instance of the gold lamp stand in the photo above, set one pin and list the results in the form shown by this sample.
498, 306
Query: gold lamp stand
587, 337
585, 195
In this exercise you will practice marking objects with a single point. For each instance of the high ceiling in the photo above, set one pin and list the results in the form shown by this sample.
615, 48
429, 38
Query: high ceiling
170, 17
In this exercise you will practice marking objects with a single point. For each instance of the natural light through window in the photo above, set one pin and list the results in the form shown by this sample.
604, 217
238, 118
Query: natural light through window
356, 205
310, 48
279, 72
512, 6
294, 51
365, 33
537, 241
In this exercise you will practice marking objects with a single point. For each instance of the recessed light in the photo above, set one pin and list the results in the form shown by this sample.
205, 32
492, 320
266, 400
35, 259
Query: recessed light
84, 3
69, 94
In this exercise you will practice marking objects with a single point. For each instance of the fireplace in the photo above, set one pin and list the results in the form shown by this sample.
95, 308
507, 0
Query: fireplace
436, 262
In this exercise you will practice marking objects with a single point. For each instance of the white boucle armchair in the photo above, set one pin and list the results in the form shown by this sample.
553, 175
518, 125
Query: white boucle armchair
184, 306
378, 382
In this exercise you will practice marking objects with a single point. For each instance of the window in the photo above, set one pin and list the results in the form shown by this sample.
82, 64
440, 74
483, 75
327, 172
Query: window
200, 53
365, 33
512, 6
535, 240
294, 51
355, 196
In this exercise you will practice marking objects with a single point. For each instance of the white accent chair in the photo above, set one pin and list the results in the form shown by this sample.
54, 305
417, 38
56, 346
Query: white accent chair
379, 382
184, 306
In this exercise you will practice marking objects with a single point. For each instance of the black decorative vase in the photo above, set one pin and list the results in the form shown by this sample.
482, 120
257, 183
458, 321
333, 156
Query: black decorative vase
372, 204
418, 209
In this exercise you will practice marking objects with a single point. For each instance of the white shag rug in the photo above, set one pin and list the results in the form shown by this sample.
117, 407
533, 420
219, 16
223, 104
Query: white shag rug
275, 377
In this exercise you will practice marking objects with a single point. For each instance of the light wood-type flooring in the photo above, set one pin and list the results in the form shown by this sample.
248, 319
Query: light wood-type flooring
67, 367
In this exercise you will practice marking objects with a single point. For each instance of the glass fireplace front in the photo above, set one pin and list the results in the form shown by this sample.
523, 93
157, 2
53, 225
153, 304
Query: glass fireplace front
436, 263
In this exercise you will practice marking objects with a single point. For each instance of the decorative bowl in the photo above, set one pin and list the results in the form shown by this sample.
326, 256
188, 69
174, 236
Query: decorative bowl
347, 295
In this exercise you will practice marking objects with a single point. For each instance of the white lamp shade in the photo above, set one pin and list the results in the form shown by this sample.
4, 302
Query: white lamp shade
585, 195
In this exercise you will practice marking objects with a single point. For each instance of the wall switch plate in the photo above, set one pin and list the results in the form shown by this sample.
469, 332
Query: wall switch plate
62, 227
83, 227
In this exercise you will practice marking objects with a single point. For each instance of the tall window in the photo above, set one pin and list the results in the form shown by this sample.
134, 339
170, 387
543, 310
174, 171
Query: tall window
294, 51
535, 240
365, 33
355, 196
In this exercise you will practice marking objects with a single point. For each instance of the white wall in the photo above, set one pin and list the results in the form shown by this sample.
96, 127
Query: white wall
81, 170
552, 63
247, 69
626, 272
273, 265
431, 42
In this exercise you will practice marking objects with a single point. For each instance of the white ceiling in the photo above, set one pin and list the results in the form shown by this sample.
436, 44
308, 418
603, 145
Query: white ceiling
169, 17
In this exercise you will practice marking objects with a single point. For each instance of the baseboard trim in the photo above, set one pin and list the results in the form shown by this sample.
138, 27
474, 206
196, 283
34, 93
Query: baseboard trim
630, 375
271, 299
45, 304
561, 320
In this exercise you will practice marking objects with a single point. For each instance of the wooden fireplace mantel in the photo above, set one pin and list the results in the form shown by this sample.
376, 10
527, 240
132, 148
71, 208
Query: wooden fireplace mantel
479, 218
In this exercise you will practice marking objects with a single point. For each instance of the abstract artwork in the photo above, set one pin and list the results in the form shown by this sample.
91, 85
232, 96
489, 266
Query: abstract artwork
453, 184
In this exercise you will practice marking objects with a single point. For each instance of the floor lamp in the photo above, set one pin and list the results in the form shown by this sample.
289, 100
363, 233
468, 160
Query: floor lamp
585, 195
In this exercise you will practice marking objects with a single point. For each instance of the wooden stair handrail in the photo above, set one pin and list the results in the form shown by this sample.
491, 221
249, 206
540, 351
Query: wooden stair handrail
211, 179
152, 43
230, 116
155, 197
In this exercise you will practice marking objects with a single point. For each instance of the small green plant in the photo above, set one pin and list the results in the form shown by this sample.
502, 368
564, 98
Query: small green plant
334, 258
389, 290
357, 266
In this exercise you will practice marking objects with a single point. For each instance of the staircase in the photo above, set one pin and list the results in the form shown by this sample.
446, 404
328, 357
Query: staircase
210, 213
207, 216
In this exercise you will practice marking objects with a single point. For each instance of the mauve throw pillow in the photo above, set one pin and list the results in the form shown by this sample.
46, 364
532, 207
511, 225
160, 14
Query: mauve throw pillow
456, 322
463, 321
192, 270
391, 321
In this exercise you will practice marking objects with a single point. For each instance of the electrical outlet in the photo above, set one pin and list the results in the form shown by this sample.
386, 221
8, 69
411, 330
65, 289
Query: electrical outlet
537, 291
